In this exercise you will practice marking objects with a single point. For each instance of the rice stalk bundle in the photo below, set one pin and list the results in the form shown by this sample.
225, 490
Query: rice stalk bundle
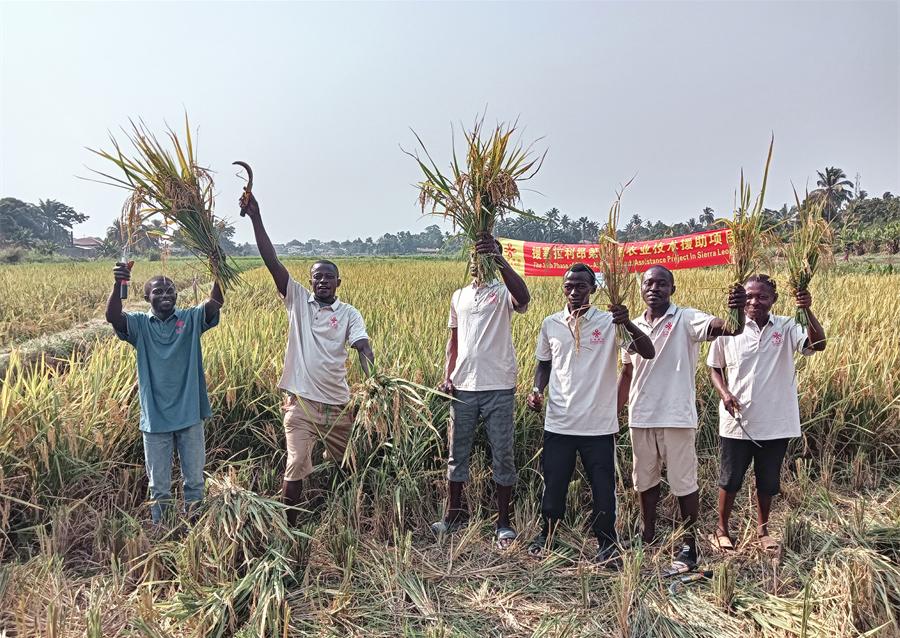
385, 404
236, 565
130, 220
171, 183
619, 283
254, 602
809, 248
748, 237
474, 195
236, 525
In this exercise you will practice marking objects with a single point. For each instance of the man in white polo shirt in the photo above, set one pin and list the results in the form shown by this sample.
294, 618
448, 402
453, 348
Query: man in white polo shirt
755, 377
481, 374
315, 372
661, 397
576, 355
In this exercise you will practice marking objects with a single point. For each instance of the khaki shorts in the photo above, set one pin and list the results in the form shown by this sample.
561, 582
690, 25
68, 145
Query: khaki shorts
673, 447
307, 422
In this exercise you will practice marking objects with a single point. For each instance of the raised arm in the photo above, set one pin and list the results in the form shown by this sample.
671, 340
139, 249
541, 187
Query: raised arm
214, 303
513, 281
450, 363
541, 379
737, 299
815, 333
624, 386
114, 304
266, 250
366, 356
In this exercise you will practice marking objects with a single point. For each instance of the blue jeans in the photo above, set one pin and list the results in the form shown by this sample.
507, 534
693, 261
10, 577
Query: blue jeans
158, 447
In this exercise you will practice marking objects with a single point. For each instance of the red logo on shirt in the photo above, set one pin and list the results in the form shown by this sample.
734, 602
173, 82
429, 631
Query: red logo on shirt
179, 326
333, 322
777, 338
597, 337
492, 298
667, 329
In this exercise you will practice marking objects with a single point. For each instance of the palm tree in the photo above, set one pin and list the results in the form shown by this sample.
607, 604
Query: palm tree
834, 190
708, 217
565, 229
693, 226
584, 225
553, 217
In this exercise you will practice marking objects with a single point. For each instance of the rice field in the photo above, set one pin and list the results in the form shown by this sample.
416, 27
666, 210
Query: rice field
79, 559
38, 299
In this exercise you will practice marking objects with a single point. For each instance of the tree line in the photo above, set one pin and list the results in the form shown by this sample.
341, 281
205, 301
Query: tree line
863, 224
43, 226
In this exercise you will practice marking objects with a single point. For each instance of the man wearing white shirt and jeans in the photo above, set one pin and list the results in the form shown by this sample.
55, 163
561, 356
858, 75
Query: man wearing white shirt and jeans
662, 409
315, 372
481, 375
759, 412
576, 355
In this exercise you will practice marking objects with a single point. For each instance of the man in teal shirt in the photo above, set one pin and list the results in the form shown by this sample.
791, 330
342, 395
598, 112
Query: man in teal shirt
171, 382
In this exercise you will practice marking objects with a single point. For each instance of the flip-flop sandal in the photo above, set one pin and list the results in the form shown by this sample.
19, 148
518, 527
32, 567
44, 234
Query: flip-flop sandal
443, 527
769, 544
505, 537
721, 542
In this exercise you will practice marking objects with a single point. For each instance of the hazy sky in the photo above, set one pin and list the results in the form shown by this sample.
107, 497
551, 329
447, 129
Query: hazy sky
319, 98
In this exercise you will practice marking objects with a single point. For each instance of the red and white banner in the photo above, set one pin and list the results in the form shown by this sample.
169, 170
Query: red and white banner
707, 248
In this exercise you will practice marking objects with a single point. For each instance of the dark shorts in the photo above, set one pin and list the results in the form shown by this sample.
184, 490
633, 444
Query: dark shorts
735, 456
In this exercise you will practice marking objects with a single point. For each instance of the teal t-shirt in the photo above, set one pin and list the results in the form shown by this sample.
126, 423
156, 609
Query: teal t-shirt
171, 383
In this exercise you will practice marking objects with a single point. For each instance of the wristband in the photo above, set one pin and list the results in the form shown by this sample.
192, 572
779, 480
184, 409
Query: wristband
536, 390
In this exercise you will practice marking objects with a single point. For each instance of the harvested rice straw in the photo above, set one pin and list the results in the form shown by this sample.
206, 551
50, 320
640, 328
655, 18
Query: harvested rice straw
747, 236
573, 323
485, 189
619, 283
177, 188
129, 224
809, 248
384, 406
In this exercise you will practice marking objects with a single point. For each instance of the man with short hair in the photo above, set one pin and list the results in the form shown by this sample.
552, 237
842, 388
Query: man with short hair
314, 380
576, 355
759, 413
661, 397
171, 383
481, 375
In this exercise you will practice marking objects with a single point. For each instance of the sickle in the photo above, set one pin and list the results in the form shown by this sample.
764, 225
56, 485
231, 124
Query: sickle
245, 198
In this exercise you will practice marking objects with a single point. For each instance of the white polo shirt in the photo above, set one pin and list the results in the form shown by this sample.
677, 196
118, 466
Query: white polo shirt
663, 392
485, 357
759, 366
315, 362
582, 389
